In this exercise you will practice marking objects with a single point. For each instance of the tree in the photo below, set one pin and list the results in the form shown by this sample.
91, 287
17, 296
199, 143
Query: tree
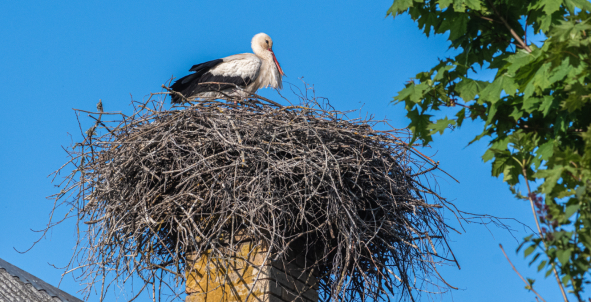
535, 113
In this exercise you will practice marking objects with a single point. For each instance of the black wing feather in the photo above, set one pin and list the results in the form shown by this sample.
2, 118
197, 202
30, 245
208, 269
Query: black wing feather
184, 84
189, 85
204, 67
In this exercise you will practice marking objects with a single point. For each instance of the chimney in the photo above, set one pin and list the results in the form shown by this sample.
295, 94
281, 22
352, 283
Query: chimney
232, 278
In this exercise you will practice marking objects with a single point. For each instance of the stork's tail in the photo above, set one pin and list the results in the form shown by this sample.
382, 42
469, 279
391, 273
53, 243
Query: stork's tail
182, 86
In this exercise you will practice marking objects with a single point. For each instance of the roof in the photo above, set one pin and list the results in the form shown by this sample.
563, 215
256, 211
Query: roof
18, 285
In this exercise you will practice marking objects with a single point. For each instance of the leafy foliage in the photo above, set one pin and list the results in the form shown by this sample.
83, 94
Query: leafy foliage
536, 112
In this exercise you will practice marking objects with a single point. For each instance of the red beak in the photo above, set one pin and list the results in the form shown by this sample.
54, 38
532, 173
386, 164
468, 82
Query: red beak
276, 63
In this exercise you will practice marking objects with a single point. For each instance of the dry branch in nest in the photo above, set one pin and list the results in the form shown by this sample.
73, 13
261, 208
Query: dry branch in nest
151, 187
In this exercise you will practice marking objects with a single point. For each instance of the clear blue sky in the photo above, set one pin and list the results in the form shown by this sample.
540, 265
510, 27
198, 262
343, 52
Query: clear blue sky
58, 55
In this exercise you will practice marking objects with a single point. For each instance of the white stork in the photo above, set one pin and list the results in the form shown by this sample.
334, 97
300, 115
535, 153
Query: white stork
247, 71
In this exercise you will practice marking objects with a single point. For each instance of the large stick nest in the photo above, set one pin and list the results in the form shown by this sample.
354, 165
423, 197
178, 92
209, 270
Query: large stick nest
159, 184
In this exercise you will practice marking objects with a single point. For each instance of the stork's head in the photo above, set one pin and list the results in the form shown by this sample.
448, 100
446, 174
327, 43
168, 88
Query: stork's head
262, 45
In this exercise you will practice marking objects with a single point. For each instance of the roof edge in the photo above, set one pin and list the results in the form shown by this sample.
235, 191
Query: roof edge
37, 283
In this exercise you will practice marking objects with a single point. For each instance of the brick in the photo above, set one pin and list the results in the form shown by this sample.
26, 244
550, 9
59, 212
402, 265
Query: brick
231, 279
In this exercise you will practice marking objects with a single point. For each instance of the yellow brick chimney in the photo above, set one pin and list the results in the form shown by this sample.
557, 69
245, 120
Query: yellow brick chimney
247, 274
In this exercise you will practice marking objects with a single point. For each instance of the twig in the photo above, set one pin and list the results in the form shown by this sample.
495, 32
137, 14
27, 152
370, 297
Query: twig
531, 287
115, 112
531, 202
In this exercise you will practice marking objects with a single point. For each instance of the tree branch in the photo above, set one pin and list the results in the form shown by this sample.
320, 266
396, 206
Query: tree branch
483, 17
531, 201
513, 33
531, 287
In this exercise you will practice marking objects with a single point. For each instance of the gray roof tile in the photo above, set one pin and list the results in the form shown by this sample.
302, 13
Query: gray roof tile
17, 285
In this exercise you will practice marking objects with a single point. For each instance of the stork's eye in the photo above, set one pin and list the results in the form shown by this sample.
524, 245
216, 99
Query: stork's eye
267, 42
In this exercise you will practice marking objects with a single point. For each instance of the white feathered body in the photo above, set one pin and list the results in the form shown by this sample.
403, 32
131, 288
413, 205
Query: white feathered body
235, 76
246, 66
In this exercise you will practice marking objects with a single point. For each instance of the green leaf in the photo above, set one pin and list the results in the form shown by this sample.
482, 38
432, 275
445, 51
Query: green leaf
516, 114
529, 250
551, 177
473, 4
570, 210
468, 89
545, 151
563, 256
548, 272
584, 4
539, 82
586, 240
541, 265
561, 123
511, 173
441, 72
561, 71
535, 258
547, 102
413, 92
542, 77
459, 6
418, 125
488, 155
444, 3
492, 92
441, 125
458, 27
565, 279
580, 192
460, 116
505, 164
399, 6
545, 22
492, 110
578, 97
531, 104
550, 6
519, 60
